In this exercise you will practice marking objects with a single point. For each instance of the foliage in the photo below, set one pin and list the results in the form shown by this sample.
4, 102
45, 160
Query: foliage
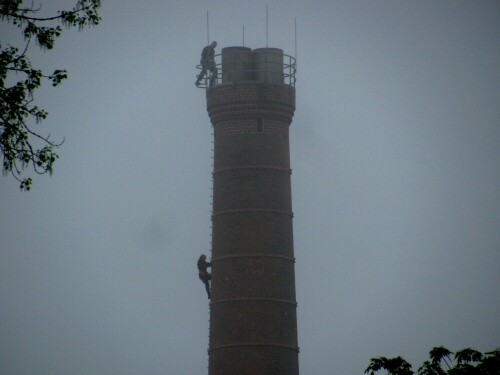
21, 145
465, 362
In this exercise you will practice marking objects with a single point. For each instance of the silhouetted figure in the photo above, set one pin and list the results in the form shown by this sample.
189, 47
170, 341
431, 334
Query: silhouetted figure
207, 63
202, 272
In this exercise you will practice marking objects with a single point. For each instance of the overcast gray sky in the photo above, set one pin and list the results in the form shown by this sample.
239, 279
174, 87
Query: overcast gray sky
395, 150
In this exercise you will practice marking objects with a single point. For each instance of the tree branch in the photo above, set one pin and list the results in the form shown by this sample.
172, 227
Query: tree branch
44, 19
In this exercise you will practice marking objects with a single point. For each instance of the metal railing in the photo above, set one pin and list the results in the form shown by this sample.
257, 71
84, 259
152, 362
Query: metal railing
249, 66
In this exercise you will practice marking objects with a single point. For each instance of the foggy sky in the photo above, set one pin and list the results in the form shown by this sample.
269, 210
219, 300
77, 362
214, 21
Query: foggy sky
395, 151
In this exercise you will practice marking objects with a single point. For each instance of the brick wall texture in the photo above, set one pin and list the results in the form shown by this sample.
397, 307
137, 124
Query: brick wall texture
253, 321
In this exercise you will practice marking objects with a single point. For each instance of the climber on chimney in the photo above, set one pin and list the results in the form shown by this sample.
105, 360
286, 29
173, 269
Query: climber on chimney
202, 272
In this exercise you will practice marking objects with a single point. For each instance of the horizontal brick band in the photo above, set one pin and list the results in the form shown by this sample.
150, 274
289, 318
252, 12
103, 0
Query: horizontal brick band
245, 299
244, 111
252, 167
256, 108
291, 347
289, 213
258, 255
251, 93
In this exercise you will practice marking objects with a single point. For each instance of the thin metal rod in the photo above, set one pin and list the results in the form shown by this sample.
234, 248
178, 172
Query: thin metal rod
208, 30
243, 35
295, 39
267, 26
